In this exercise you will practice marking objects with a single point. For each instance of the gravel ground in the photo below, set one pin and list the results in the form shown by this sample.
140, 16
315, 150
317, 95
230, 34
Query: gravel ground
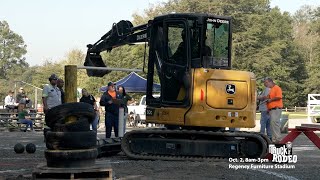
20, 166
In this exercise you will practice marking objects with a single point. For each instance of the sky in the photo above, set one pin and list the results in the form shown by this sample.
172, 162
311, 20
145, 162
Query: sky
51, 29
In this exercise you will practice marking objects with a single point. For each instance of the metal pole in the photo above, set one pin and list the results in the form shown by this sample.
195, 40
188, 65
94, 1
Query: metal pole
29, 84
111, 69
121, 122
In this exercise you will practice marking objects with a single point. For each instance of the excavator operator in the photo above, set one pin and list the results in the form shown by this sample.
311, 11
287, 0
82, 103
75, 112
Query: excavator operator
180, 55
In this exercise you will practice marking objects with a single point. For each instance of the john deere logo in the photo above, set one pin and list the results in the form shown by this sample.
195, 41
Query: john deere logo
230, 89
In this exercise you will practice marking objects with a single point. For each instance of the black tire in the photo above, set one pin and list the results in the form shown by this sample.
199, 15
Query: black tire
82, 124
45, 130
71, 158
59, 113
70, 140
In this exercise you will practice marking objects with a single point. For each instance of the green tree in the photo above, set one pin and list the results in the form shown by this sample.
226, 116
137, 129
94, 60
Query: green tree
12, 50
312, 50
12, 62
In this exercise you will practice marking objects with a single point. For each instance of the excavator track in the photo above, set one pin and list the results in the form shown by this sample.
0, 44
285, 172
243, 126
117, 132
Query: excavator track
164, 144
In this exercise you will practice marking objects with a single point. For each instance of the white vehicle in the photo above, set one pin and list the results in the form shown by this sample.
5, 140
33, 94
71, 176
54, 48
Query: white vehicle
138, 112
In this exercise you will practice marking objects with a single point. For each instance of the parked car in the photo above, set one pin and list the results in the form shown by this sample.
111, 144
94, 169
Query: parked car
137, 113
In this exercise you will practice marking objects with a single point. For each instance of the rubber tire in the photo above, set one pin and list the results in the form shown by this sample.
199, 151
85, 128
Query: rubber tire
59, 113
71, 158
71, 140
82, 124
45, 130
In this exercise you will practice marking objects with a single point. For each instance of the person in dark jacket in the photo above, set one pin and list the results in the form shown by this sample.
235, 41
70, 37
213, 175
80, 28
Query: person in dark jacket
88, 98
60, 84
108, 100
21, 95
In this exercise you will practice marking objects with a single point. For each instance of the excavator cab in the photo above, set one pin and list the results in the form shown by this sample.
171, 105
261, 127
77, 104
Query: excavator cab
180, 43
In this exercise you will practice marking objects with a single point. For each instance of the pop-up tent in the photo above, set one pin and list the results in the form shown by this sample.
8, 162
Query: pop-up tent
134, 83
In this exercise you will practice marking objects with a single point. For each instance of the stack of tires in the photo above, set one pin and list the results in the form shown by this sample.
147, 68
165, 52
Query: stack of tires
69, 141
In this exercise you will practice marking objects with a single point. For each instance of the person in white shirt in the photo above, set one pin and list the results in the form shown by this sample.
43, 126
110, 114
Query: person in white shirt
265, 117
51, 94
10, 102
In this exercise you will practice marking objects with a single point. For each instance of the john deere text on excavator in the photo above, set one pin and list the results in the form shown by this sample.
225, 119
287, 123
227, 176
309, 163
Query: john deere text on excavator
200, 95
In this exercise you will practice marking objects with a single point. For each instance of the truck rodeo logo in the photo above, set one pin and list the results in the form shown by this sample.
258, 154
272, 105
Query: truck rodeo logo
282, 153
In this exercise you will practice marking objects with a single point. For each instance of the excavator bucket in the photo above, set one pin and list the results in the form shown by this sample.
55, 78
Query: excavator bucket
93, 59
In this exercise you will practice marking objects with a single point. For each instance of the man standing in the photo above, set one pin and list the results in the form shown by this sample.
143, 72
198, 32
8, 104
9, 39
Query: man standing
275, 105
60, 84
108, 100
125, 98
265, 117
51, 95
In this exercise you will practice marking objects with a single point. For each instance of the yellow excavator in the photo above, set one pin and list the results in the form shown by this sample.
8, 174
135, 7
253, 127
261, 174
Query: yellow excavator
190, 55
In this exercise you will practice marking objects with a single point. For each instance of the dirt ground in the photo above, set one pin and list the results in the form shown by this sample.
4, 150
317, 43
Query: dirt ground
20, 166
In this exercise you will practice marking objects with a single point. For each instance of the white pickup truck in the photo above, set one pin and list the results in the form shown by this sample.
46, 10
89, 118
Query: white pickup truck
138, 112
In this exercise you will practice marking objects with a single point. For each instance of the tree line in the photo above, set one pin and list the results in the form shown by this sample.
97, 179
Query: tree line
266, 41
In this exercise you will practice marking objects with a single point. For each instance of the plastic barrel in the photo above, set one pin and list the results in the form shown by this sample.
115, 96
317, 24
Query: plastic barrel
284, 121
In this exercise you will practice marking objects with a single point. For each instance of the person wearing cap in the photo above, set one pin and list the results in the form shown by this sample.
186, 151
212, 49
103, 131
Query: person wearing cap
9, 101
275, 105
21, 95
51, 94
262, 107
22, 98
108, 100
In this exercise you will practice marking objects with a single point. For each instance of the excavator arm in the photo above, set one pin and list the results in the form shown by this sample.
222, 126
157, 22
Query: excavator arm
122, 33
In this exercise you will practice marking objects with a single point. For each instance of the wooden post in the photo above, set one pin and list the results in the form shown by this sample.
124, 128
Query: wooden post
70, 77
